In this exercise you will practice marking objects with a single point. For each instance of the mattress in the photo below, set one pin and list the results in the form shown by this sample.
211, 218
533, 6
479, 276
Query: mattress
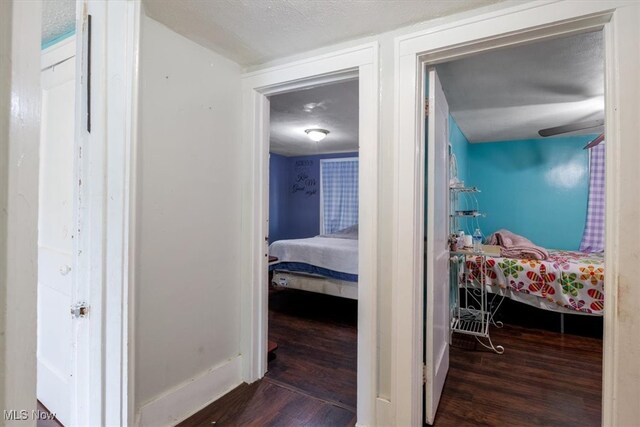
329, 253
569, 280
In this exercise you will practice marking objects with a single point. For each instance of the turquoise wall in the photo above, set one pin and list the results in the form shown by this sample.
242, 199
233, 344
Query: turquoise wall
459, 147
537, 188
57, 39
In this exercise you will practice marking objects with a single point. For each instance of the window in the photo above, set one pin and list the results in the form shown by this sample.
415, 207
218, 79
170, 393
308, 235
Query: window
338, 194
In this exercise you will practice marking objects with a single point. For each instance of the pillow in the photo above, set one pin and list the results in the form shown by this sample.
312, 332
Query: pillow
350, 232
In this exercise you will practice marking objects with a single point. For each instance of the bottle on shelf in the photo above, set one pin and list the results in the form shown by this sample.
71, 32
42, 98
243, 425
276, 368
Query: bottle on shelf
477, 241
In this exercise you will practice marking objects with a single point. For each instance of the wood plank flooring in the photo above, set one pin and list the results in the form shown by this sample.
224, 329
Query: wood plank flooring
311, 381
264, 403
543, 378
317, 345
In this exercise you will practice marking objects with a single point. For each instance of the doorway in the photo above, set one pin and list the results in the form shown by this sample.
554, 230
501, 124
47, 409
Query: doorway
313, 242
533, 191
359, 63
425, 49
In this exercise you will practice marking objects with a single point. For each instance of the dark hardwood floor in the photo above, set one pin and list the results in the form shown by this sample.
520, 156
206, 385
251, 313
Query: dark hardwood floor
543, 378
264, 403
311, 381
317, 345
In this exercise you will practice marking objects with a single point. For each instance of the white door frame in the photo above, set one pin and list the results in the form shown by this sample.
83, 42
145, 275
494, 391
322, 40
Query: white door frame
517, 25
360, 61
105, 179
20, 108
101, 392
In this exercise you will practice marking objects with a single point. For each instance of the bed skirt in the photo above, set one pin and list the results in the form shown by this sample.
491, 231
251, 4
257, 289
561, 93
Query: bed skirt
318, 284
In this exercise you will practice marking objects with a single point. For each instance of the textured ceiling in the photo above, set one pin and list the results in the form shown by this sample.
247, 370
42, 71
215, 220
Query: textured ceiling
251, 32
512, 93
58, 18
332, 107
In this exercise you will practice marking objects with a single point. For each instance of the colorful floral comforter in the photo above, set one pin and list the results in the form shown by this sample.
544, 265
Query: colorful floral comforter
573, 280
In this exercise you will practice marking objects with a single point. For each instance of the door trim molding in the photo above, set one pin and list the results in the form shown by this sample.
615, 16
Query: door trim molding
20, 111
512, 26
61, 51
105, 179
360, 61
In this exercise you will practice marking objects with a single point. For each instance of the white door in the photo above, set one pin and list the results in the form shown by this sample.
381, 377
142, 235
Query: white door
437, 256
55, 230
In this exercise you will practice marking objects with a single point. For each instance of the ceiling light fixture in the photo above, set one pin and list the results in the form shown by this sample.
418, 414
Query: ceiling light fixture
317, 135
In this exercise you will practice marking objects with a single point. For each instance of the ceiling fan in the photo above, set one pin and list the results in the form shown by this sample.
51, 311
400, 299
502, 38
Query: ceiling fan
572, 127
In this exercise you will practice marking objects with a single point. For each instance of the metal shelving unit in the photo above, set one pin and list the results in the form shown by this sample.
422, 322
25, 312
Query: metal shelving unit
472, 307
455, 214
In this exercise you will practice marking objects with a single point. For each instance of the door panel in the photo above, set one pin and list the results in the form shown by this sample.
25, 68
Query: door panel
437, 255
55, 227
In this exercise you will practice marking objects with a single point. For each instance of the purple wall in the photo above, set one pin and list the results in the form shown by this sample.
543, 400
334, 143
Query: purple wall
294, 195
278, 198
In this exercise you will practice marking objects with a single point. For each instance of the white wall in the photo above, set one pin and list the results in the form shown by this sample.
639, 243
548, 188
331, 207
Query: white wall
188, 210
19, 142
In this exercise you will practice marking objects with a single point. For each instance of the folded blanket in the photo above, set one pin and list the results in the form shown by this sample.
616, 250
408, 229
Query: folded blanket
516, 246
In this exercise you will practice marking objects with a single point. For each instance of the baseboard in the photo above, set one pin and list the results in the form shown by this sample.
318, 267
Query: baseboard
188, 398
383, 412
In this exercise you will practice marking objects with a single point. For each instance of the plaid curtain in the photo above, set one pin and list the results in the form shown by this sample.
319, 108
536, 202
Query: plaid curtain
339, 194
593, 237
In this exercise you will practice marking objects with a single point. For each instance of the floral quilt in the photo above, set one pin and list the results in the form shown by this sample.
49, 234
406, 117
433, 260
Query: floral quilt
573, 280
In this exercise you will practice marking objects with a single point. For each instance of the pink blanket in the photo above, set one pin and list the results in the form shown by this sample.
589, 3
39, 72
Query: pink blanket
516, 246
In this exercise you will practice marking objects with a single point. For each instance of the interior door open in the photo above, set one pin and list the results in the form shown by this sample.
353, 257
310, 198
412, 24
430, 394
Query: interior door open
437, 251
55, 241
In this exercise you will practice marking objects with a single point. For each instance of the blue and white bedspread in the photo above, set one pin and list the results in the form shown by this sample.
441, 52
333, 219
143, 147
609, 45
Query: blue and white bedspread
336, 254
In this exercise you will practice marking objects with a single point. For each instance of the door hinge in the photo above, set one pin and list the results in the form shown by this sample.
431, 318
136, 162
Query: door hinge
424, 374
426, 107
80, 309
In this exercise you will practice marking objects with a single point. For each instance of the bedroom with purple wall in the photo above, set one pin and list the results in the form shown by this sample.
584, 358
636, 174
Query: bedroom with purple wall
294, 195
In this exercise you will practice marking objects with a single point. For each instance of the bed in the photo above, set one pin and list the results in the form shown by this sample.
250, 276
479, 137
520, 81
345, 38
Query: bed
566, 282
326, 264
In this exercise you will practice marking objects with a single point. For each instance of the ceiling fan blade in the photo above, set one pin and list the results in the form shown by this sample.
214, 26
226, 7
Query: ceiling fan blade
597, 140
571, 127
